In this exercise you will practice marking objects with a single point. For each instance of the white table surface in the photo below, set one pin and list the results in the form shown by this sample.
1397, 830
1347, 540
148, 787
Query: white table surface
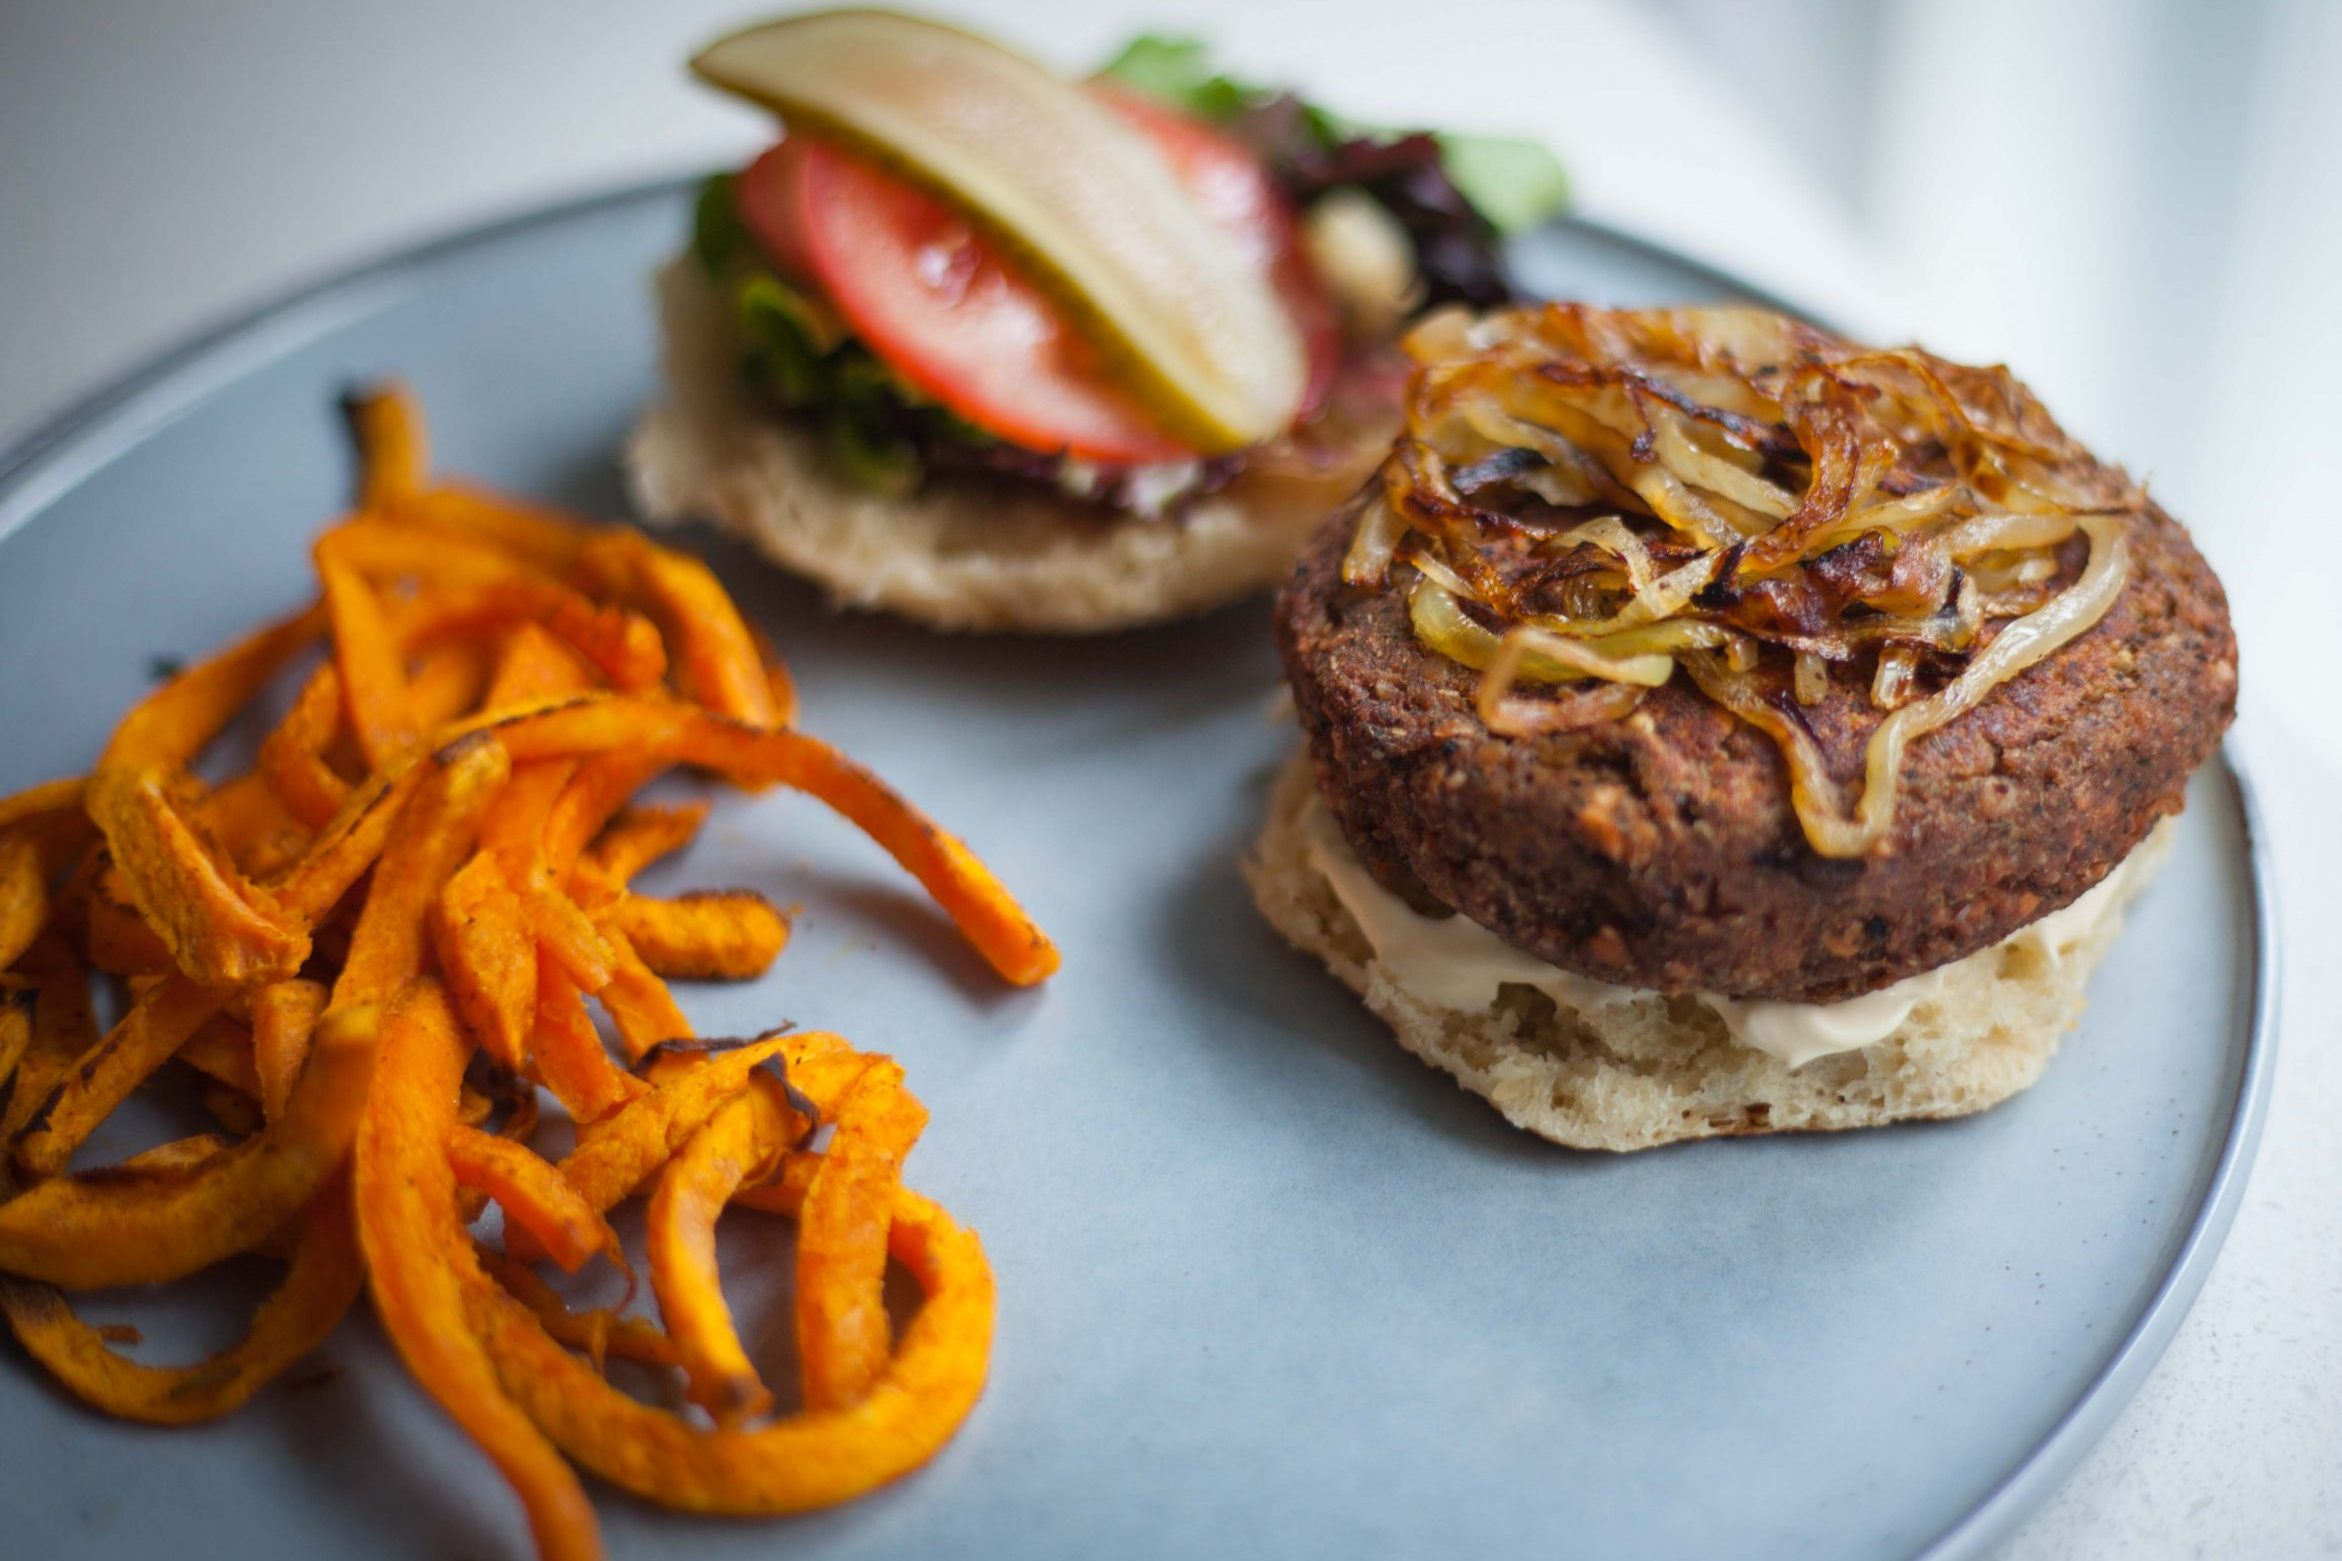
167, 165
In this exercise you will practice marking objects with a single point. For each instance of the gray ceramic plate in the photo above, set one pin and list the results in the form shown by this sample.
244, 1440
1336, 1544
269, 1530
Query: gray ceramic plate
1268, 1286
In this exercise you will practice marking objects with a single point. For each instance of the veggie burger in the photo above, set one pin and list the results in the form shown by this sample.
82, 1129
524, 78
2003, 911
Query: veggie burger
1716, 727
994, 349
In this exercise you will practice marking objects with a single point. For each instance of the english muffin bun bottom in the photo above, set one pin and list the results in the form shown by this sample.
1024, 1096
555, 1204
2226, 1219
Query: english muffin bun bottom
961, 553
1656, 1069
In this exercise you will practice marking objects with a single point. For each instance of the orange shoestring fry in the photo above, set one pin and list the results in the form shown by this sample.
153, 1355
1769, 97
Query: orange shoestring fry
380, 945
988, 917
323, 1277
420, 1264
810, 1460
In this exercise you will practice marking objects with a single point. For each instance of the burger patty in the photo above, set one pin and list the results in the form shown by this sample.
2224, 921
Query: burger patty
1661, 851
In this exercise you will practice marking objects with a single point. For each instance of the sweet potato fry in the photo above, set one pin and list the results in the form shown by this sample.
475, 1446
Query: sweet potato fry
777, 678
716, 660
162, 1018
488, 957
393, 449
345, 847
324, 1278
533, 665
16, 1026
598, 790
145, 1038
292, 756
383, 550
704, 935
805, 1461
601, 1333
738, 1144
433, 835
449, 677
810, 1082
174, 723
516, 828
63, 1029
115, 937
476, 585
178, 1154
534, 1196
621, 645
371, 665
542, 536
986, 914
284, 1022
842, 1330
222, 929
46, 800
638, 836
138, 1227
258, 833
639, 1137
638, 1002
221, 1049
24, 894
567, 939
425, 1275
570, 1056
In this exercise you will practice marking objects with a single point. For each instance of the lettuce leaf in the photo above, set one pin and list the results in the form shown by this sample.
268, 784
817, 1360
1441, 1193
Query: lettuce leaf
1513, 183
1179, 71
718, 237
879, 431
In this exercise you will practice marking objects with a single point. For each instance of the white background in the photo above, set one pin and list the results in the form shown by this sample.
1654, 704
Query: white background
2138, 204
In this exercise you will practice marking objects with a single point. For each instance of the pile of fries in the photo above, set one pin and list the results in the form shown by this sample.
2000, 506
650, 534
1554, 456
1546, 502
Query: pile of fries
377, 950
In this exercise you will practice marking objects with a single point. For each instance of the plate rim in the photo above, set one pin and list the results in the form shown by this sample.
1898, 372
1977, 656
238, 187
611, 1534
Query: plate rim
2057, 1452
38, 463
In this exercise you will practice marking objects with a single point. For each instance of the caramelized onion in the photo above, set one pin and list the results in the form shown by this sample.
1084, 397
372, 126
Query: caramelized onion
1810, 678
1613, 536
1377, 538
1528, 653
1597, 705
1592, 497
1890, 685
2008, 530
1828, 826
1714, 473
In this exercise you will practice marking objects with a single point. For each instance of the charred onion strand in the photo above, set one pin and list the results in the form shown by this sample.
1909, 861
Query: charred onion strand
1586, 496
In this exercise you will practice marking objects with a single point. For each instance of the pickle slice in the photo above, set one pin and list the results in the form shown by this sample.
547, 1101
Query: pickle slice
1085, 205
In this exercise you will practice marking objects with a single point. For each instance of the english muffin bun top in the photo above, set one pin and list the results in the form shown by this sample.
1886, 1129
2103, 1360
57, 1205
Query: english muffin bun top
1700, 651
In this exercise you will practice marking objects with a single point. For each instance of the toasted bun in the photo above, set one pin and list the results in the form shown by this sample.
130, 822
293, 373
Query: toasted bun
1656, 1070
962, 553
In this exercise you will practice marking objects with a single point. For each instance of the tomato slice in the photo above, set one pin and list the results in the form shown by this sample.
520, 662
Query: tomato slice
939, 302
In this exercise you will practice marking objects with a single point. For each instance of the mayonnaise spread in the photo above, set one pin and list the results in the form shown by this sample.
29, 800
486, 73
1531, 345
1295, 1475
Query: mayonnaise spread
1454, 962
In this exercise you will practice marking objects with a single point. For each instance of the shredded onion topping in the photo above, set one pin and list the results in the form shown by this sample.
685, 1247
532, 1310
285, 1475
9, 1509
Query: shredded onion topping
1596, 497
